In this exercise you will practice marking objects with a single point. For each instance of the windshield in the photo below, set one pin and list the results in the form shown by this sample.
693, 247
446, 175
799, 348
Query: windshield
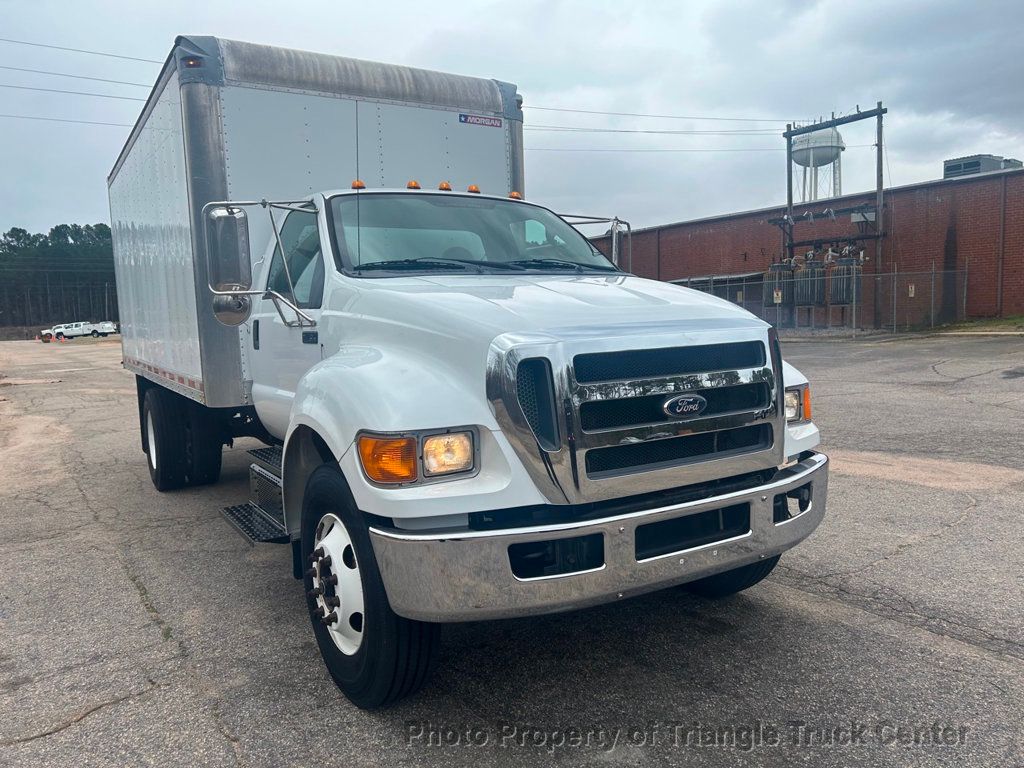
400, 232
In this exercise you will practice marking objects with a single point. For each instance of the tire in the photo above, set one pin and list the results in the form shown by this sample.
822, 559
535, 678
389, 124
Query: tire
95, 334
163, 431
731, 582
394, 655
103, 335
204, 446
60, 335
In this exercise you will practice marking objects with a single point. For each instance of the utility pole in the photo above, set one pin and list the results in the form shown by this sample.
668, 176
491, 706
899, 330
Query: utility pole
787, 224
879, 203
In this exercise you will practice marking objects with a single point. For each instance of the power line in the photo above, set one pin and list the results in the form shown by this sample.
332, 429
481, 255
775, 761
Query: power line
705, 149
717, 149
663, 117
77, 77
583, 129
75, 93
65, 120
80, 50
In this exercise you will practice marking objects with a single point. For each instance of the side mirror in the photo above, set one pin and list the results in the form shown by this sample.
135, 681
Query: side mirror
229, 269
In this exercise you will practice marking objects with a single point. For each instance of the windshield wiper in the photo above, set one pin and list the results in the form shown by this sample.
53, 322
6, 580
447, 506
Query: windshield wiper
560, 264
412, 264
476, 262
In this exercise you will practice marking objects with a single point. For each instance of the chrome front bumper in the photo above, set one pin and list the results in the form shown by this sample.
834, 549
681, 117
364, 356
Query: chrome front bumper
467, 575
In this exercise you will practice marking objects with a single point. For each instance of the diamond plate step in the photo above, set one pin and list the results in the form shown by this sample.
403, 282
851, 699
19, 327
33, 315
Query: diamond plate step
255, 524
269, 457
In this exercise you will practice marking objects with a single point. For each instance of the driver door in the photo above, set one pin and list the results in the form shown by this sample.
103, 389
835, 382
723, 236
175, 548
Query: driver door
280, 353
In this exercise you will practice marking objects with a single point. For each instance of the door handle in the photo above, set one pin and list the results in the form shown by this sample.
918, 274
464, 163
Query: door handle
256, 334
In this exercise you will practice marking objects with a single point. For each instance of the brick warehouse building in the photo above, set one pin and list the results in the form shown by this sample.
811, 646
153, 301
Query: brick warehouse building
969, 230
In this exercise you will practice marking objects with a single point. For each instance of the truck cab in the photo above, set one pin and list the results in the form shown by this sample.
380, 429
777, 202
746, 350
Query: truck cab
469, 411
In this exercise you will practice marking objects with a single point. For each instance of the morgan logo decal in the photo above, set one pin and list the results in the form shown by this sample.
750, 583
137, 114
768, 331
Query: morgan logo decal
684, 406
493, 122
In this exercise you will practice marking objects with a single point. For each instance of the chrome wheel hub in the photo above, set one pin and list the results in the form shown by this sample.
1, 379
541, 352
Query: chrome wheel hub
337, 584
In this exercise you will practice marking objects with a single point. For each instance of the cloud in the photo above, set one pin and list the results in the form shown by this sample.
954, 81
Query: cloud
947, 71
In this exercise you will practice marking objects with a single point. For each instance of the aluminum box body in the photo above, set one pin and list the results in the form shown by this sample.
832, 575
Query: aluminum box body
236, 121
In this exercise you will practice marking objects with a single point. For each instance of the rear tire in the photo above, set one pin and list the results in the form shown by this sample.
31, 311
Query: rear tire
394, 656
731, 582
203, 448
95, 334
163, 431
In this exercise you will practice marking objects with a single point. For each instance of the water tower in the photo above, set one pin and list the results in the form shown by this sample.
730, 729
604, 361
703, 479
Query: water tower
821, 149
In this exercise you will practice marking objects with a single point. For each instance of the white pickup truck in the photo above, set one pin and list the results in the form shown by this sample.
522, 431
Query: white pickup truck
469, 412
75, 330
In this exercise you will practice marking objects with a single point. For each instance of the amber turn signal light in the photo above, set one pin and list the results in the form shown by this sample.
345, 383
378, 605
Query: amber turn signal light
807, 403
388, 459
474, 189
357, 184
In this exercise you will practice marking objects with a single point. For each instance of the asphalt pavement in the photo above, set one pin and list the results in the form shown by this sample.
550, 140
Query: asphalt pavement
138, 628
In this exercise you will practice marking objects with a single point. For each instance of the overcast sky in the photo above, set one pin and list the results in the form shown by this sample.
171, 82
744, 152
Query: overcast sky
950, 74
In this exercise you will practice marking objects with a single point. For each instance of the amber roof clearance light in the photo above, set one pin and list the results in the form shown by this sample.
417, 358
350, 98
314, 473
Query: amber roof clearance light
445, 186
473, 188
357, 184
515, 195
413, 184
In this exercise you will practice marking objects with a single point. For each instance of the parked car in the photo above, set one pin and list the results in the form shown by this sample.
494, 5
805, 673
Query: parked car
469, 412
74, 330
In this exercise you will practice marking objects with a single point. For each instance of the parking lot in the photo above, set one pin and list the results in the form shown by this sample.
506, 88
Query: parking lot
139, 628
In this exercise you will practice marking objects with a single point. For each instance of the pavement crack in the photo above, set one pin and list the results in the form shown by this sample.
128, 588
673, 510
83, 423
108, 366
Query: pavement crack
78, 718
166, 631
908, 615
909, 542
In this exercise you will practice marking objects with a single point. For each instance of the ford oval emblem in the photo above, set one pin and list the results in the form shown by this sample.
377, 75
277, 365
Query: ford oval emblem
685, 406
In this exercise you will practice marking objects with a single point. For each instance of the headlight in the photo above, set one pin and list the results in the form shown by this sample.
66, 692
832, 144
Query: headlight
447, 454
798, 403
391, 459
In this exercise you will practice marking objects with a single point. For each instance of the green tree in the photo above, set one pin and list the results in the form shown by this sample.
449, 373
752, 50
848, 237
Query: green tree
62, 276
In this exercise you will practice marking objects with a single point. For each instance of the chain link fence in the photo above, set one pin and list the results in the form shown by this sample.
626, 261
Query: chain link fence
844, 296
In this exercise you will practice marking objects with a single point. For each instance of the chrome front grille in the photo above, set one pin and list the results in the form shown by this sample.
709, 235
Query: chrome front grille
675, 451
589, 424
670, 361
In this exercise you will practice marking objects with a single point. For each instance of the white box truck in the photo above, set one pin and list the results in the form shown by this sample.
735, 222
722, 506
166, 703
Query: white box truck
469, 412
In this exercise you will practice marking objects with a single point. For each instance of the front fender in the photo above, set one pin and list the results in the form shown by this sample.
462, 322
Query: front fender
803, 436
388, 390
395, 390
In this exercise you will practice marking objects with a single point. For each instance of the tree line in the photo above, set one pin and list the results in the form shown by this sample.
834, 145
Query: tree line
64, 276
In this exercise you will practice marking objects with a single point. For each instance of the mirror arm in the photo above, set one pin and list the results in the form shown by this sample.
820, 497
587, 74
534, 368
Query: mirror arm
284, 256
278, 299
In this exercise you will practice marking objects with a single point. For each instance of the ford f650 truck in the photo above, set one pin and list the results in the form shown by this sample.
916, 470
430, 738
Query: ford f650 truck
468, 411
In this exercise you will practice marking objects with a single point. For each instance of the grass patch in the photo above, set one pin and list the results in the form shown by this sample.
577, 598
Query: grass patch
1015, 323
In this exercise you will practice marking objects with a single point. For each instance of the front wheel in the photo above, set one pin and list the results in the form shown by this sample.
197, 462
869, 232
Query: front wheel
374, 656
95, 334
736, 580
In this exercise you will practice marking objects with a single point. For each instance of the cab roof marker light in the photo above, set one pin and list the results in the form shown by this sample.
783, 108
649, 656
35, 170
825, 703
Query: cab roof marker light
473, 188
357, 184
445, 186
515, 195
412, 184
